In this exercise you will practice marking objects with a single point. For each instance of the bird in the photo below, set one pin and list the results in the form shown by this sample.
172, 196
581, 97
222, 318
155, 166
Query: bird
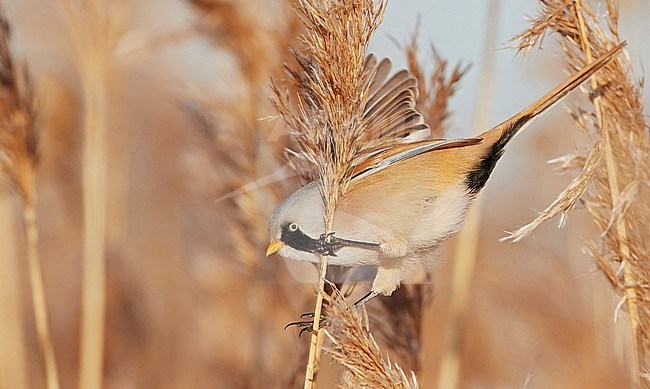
402, 202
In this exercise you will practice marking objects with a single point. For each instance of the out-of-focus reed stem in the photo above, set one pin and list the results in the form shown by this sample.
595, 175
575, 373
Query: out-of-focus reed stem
631, 297
38, 288
93, 295
94, 194
467, 241
13, 369
93, 67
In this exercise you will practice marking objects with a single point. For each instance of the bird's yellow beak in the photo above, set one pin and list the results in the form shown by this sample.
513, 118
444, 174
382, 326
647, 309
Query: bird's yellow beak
274, 247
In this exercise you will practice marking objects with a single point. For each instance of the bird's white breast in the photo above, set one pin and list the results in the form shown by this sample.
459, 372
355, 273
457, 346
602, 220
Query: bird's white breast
440, 218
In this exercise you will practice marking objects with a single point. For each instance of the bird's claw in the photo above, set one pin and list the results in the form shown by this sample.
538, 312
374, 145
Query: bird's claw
305, 325
328, 244
323, 237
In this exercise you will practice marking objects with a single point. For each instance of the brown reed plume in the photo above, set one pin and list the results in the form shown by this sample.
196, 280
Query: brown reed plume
235, 125
613, 180
436, 88
397, 322
245, 147
18, 160
354, 347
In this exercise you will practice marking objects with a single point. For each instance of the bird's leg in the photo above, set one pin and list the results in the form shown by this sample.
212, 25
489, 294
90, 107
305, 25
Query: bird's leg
394, 248
326, 246
386, 282
372, 294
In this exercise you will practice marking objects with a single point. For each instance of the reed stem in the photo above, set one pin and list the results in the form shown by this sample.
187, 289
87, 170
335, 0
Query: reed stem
38, 289
93, 69
13, 366
316, 340
612, 177
317, 334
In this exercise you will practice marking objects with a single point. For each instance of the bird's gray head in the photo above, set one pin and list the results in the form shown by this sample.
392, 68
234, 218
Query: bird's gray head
299, 218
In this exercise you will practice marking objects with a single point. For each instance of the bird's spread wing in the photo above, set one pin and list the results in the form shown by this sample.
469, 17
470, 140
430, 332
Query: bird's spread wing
386, 158
390, 112
394, 129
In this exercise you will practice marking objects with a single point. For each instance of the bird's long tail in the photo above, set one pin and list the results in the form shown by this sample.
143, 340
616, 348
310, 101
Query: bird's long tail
510, 127
495, 140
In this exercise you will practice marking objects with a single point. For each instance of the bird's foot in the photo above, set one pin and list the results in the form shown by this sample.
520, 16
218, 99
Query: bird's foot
328, 245
306, 325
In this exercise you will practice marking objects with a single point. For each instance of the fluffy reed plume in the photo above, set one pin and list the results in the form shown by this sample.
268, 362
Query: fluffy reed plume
18, 159
354, 347
322, 101
436, 88
93, 28
397, 321
234, 123
613, 179
247, 152
326, 116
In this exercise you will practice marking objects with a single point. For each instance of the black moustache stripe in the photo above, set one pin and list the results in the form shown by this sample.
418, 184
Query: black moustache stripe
299, 241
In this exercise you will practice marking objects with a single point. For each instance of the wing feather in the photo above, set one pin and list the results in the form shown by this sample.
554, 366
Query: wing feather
394, 128
390, 111
387, 158
379, 74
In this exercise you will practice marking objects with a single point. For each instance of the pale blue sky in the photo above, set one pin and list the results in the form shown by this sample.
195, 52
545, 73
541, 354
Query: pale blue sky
457, 28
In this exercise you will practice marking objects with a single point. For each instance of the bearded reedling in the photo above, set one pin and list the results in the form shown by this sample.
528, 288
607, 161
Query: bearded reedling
403, 200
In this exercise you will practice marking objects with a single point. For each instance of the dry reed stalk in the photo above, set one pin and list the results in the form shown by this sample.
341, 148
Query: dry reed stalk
18, 159
613, 180
466, 245
354, 347
93, 33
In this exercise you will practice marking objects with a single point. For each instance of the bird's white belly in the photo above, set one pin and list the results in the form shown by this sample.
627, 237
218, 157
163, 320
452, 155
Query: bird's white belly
352, 256
443, 217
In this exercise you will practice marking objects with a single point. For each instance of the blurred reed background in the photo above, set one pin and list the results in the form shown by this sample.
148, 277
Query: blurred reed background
189, 299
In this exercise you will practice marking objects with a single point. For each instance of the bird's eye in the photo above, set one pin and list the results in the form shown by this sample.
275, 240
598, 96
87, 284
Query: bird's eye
293, 227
